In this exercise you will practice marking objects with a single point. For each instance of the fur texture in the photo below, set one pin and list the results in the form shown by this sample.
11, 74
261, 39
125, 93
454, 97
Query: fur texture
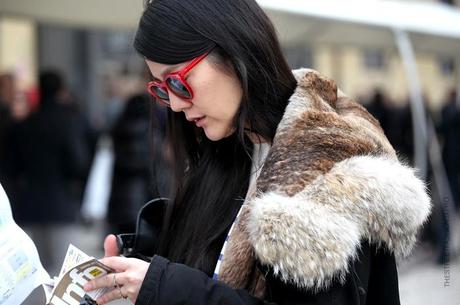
330, 180
310, 237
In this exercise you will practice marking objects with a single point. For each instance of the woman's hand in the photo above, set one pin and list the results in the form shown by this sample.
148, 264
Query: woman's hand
129, 275
110, 246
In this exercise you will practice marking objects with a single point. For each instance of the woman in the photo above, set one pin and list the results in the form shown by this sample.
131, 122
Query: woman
324, 218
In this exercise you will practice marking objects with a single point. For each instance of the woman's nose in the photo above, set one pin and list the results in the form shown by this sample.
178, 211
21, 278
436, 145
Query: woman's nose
177, 104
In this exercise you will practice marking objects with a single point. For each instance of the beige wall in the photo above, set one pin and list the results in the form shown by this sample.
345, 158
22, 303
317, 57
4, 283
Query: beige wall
346, 66
18, 50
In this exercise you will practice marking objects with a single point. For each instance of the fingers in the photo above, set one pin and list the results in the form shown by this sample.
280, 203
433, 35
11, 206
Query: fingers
114, 280
129, 277
109, 280
110, 246
119, 264
116, 262
116, 293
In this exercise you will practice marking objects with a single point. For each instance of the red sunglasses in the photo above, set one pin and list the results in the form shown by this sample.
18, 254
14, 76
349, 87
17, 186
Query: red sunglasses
174, 82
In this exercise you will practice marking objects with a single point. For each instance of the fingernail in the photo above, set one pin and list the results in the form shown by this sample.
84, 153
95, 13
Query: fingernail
87, 287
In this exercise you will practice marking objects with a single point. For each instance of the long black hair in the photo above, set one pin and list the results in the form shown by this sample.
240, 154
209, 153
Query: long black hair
212, 177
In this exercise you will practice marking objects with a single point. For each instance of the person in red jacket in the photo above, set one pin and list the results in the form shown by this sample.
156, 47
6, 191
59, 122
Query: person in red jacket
286, 190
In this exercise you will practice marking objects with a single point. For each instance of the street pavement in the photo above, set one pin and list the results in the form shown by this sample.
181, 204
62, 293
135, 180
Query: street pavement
426, 283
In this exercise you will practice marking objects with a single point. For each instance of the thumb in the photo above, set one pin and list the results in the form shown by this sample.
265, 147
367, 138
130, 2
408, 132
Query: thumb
110, 246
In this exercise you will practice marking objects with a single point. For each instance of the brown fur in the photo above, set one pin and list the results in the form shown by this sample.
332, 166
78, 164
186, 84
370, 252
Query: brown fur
330, 129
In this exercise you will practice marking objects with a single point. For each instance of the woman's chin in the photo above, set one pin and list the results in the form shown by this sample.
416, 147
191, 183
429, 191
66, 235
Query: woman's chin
213, 136
216, 135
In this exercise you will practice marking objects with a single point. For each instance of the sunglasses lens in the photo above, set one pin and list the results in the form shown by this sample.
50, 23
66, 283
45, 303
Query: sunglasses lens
178, 87
159, 92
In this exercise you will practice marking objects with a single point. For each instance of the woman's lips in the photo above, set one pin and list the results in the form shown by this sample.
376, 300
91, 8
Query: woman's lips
199, 121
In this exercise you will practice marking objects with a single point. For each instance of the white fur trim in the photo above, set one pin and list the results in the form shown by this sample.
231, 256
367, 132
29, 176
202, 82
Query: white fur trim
300, 73
310, 238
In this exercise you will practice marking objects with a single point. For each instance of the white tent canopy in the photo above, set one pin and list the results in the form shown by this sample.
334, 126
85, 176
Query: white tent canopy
432, 27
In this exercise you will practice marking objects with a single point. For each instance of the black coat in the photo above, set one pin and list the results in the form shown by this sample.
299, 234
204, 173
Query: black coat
372, 280
48, 159
138, 161
131, 175
450, 129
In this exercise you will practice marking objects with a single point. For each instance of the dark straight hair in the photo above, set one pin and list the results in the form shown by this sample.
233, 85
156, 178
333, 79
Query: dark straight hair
212, 177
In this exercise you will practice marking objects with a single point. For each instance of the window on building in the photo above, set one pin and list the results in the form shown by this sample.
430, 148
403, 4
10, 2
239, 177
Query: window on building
446, 65
298, 56
450, 2
117, 43
374, 59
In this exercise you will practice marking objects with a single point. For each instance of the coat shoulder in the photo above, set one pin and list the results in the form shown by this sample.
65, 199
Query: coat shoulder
331, 180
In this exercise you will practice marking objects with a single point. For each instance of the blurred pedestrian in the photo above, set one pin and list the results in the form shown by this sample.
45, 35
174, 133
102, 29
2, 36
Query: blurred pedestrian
450, 132
390, 119
133, 183
47, 153
7, 93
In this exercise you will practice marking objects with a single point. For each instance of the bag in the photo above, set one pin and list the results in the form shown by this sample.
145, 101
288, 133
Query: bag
143, 244
97, 190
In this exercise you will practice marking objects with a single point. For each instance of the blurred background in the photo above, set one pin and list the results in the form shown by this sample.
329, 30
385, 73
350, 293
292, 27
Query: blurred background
76, 157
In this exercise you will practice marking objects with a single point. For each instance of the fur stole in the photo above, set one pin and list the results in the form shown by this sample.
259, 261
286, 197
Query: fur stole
330, 180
